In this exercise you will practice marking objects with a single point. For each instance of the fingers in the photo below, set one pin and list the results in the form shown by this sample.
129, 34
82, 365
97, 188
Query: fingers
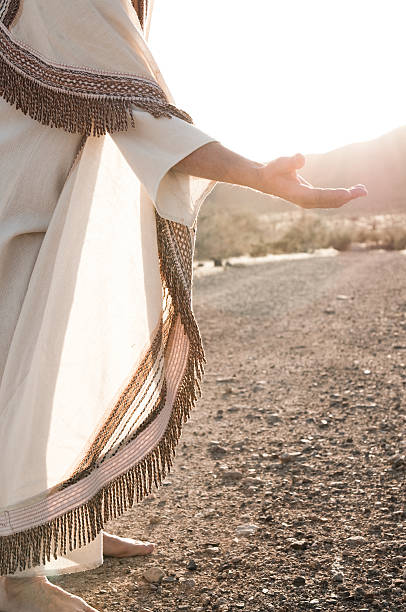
359, 191
312, 197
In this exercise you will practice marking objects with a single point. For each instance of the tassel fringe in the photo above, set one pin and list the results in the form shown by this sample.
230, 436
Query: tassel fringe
76, 100
175, 248
80, 526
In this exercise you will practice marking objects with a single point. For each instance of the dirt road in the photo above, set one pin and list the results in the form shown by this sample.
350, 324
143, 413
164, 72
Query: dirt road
299, 440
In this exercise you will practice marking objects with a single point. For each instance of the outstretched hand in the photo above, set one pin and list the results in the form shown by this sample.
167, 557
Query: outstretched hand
280, 178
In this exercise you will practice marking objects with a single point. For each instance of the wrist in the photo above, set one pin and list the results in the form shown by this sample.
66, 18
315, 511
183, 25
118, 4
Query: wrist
255, 176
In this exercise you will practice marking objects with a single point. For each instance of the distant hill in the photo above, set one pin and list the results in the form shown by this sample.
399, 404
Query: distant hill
380, 164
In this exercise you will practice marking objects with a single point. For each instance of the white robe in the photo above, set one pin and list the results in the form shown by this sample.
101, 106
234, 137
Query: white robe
80, 285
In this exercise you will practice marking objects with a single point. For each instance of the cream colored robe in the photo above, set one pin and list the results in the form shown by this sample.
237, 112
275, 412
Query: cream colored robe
81, 291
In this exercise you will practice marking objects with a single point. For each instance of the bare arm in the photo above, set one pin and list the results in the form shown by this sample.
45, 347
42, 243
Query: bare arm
279, 177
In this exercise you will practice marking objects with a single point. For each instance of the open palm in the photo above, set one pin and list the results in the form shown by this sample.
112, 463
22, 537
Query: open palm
280, 178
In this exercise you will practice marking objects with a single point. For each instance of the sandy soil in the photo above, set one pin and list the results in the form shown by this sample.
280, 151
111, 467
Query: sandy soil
300, 433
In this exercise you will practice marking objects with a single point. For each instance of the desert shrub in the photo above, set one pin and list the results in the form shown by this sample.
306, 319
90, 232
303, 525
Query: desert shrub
340, 239
365, 234
393, 238
305, 234
223, 235
260, 249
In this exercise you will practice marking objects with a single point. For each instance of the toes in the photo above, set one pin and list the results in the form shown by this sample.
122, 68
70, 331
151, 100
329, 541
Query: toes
144, 548
126, 547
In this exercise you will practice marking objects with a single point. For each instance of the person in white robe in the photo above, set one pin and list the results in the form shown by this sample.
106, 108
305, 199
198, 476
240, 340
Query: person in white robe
100, 354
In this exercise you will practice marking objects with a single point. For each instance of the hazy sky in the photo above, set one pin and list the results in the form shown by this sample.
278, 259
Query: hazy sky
273, 77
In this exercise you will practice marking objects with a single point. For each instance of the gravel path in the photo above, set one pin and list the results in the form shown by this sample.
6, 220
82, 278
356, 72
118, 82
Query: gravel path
288, 491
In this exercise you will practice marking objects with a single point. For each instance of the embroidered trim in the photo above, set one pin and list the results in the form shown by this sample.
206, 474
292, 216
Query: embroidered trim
76, 99
58, 531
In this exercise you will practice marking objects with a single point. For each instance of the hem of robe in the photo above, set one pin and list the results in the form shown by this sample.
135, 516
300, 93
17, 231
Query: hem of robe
59, 572
39, 573
110, 490
81, 560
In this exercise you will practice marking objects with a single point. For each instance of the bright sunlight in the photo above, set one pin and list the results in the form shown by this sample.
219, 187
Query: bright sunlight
269, 78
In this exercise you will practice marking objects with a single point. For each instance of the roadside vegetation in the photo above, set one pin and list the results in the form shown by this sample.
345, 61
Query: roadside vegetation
223, 234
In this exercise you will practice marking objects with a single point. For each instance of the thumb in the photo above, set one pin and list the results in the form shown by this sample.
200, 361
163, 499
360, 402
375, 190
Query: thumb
287, 164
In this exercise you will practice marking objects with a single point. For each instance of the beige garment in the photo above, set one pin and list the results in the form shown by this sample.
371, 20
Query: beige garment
82, 297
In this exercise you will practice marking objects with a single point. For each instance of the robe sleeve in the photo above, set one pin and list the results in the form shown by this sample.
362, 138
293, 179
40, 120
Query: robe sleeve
152, 148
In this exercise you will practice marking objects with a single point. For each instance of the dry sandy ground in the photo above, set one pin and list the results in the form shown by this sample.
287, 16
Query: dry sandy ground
301, 433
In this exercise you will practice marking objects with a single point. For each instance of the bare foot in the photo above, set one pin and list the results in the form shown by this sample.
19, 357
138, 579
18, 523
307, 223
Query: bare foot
113, 546
37, 595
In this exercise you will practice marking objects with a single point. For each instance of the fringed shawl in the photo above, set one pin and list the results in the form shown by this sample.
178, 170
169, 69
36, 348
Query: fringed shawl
109, 477
74, 98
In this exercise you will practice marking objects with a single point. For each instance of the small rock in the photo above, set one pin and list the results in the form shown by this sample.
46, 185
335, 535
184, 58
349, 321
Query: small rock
299, 581
221, 601
192, 565
186, 584
338, 577
398, 461
273, 418
231, 476
329, 310
154, 575
253, 482
298, 544
211, 551
342, 297
216, 450
355, 540
289, 457
247, 529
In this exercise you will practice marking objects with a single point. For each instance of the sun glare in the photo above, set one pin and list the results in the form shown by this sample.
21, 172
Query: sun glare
269, 78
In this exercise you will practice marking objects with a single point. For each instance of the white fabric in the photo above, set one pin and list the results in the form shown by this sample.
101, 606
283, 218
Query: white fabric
80, 285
